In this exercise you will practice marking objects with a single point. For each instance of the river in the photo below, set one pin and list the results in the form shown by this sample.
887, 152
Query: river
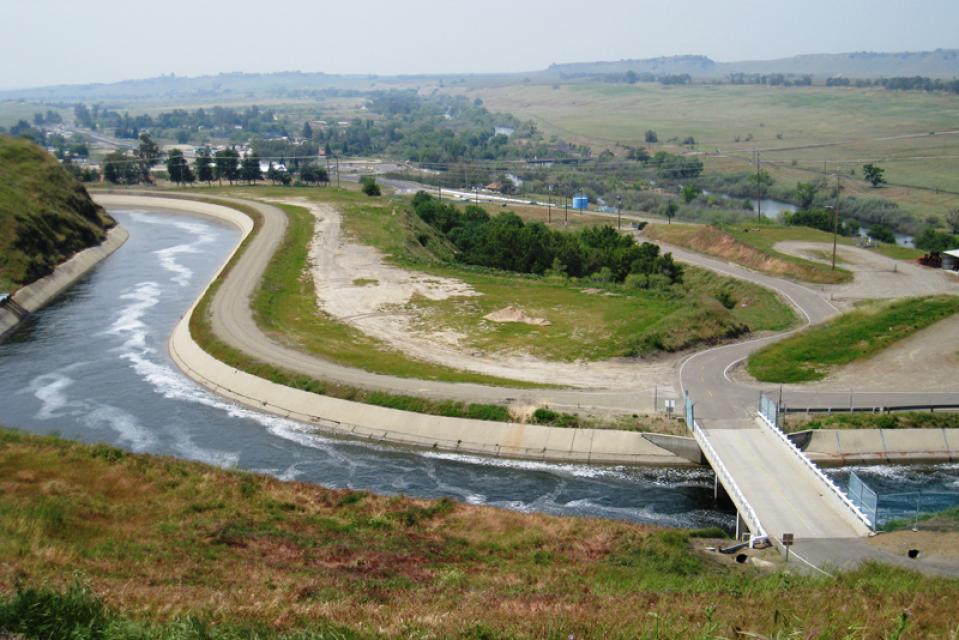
93, 367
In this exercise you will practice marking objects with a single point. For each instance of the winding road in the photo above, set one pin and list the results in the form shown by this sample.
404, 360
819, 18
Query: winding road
705, 375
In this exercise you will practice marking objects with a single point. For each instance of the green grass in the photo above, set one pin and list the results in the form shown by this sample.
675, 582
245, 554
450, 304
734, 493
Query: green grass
46, 216
895, 252
810, 355
157, 548
946, 520
905, 420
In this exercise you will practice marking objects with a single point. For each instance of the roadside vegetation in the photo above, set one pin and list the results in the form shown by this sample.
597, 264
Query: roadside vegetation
905, 420
46, 216
812, 353
100, 544
752, 246
946, 520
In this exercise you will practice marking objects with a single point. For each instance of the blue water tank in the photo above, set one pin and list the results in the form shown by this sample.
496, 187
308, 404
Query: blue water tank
581, 203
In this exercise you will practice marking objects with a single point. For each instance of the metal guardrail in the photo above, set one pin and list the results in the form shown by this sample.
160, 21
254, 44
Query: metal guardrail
875, 409
832, 486
752, 520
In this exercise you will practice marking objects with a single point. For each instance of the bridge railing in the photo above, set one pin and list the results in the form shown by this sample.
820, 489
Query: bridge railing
823, 478
758, 534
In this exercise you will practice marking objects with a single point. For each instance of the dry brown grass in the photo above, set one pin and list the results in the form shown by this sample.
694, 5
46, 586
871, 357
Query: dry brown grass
158, 538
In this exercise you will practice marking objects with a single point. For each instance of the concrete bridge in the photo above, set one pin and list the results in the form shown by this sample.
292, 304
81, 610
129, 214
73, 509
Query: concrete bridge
777, 490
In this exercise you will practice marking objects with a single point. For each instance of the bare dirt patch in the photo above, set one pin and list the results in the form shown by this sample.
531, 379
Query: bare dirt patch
515, 314
932, 545
355, 285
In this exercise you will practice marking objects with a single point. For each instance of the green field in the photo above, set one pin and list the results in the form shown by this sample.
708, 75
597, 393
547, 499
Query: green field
790, 124
810, 354
907, 420
100, 544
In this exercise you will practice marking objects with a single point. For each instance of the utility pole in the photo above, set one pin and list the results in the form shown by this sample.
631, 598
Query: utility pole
549, 211
619, 212
337, 172
759, 190
566, 206
835, 223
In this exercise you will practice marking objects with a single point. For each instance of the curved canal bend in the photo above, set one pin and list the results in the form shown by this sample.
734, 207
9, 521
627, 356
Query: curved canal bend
94, 367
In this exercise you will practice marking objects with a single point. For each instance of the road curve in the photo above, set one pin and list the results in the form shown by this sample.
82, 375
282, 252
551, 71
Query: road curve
703, 374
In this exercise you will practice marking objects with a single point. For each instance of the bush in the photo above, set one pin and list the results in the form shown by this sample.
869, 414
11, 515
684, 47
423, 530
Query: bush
369, 186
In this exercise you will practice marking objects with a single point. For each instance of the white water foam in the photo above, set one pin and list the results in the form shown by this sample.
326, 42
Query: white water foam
202, 233
128, 429
579, 471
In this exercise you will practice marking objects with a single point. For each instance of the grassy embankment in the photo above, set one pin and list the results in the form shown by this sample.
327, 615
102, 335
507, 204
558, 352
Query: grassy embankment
46, 216
946, 520
167, 549
810, 354
905, 420
803, 121
753, 247
589, 320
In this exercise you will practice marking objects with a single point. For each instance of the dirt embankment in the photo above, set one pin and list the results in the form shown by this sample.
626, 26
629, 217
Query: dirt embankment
716, 242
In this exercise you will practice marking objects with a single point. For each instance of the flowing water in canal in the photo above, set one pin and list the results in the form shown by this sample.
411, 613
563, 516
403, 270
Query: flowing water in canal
94, 367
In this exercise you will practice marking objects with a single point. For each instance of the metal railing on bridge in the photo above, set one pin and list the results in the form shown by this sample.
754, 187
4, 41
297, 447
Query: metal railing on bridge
746, 511
769, 412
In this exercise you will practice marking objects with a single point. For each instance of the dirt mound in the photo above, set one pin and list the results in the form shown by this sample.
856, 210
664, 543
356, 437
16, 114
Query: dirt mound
514, 314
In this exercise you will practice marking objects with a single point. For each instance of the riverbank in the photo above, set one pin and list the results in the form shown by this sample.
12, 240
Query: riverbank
154, 544
33, 297
379, 424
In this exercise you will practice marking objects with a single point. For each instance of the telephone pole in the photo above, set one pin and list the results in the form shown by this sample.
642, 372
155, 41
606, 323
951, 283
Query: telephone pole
759, 189
337, 172
549, 214
835, 223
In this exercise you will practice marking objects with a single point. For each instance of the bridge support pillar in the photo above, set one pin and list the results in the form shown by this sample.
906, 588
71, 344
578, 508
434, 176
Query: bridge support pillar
739, 535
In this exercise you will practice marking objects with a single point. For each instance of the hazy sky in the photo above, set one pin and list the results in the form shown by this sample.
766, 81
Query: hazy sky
72, 41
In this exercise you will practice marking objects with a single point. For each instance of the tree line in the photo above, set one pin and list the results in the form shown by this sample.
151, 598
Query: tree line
208, 167
507, 243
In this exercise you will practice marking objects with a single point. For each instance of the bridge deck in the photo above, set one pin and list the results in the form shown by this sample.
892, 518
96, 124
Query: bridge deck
785, 494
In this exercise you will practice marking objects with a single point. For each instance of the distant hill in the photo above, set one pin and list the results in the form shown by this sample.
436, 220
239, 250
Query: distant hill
236, 87
46, 215
942, 63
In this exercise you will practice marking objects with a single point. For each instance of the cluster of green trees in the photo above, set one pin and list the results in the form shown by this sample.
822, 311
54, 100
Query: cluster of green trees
821, 219
184, 125
226, 164
901, 83
507, 243
772, 79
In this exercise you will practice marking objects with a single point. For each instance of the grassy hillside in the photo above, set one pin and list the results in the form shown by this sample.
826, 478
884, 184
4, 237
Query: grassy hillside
811, 354
45, 214
97, 543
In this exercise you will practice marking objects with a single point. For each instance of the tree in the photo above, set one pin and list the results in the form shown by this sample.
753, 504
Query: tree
250, 169
149, 154
806, 194
670, 211
873, 175
204, 166
882, 233
312, 174
119, 168
369, 186
651, 137
689, 193
227, 165
178, 168
932, 240
307, 131
952, 220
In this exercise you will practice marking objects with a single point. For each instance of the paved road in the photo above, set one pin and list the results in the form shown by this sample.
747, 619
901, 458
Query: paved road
703, 374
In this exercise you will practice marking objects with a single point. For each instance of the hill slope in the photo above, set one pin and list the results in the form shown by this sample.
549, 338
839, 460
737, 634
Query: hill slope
46, 215
942, 63
173, 546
